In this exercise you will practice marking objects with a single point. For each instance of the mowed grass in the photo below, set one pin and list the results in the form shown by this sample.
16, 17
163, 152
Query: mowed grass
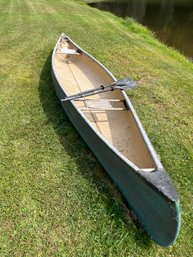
55, 198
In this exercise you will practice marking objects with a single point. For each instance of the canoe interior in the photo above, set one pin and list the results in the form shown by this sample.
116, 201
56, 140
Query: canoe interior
80, 72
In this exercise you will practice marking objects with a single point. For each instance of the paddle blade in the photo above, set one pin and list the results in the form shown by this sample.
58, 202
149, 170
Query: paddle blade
125, 83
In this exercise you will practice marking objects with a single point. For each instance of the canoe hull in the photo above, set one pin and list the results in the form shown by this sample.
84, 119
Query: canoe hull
159, 215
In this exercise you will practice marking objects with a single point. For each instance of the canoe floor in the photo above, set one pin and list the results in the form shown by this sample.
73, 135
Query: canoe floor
77, 73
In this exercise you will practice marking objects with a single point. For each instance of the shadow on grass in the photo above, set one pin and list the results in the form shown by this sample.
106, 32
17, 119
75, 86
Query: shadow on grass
80, 153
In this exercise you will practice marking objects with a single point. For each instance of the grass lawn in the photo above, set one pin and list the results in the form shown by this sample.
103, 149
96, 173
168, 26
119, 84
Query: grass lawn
55, 198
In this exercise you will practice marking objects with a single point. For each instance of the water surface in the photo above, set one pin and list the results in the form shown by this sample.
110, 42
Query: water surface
171, 20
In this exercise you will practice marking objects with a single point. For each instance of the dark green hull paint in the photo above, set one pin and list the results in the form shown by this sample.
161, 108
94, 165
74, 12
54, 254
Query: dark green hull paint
155, 209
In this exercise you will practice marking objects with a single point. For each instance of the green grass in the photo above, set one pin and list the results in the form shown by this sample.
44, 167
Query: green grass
55, 198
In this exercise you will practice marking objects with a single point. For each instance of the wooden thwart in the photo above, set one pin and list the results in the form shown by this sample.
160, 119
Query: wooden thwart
102, 109
102, 105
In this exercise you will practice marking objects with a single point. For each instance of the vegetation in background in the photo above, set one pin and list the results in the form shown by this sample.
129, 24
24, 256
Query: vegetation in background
55, 198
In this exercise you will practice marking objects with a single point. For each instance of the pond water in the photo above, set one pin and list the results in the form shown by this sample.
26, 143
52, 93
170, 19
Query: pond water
171, 20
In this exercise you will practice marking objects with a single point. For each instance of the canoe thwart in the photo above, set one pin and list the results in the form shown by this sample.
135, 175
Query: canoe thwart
102, 109
103, 105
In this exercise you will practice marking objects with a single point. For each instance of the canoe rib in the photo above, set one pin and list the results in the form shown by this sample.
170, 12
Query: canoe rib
142, 178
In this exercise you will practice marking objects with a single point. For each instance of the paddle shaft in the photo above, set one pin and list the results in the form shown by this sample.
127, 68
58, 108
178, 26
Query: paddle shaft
85, 93
121, 84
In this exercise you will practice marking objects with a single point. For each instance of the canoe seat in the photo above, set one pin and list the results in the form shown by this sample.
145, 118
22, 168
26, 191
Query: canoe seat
65, 50
102, 104
102, 109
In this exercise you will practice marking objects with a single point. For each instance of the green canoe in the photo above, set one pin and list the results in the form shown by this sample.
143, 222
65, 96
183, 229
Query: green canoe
128, 157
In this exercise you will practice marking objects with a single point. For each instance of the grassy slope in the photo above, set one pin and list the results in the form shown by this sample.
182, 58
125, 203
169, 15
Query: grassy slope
55, 199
